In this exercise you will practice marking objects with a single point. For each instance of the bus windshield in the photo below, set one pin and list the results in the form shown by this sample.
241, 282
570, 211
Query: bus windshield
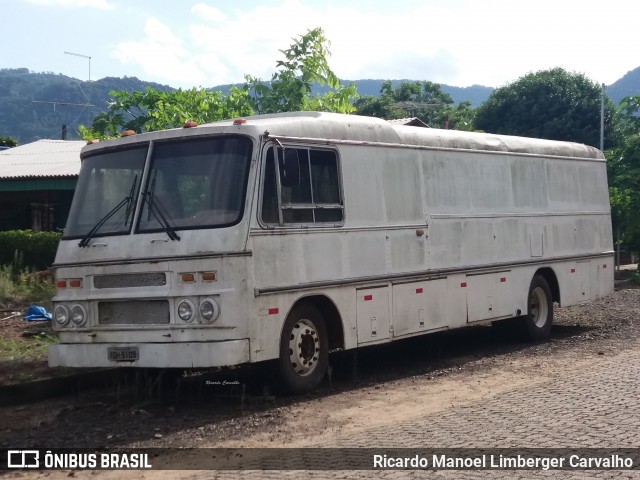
194, 183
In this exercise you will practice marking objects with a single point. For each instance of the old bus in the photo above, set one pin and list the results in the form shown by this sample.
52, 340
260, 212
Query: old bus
285, 237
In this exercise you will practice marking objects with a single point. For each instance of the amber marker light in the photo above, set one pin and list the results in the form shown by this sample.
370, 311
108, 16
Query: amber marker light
188, 277
208, 276
128, 133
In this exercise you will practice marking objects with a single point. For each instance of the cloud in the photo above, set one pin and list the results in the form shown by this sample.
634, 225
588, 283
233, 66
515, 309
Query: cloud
207, 12
99, 4
161, 54
457, 42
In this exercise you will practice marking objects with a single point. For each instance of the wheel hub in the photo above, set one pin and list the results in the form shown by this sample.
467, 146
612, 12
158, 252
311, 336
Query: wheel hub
538, 307
304, 347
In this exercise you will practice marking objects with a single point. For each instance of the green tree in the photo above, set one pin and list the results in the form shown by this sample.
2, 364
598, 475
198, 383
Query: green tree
8, 142
156, 110
424, 100
623, 169
553, 104
305, 64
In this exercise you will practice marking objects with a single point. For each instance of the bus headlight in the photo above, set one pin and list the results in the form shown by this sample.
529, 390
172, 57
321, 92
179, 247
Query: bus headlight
61, 315
209, 310
185, 310
78, 315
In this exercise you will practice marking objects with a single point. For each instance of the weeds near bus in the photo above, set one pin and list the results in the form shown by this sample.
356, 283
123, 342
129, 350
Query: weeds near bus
25, 286
32, 350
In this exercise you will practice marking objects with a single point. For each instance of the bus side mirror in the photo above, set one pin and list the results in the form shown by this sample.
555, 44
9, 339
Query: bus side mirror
289, 164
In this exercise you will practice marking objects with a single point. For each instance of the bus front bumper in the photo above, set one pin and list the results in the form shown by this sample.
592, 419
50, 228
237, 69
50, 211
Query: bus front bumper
151, 355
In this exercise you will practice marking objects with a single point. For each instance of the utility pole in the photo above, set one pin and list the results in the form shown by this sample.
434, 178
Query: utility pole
83, 56
602, 119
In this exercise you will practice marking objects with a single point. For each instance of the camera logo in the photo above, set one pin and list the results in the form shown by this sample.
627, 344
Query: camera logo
23, 459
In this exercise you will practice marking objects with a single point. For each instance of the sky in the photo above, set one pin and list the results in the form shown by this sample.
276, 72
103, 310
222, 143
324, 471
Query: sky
200, 43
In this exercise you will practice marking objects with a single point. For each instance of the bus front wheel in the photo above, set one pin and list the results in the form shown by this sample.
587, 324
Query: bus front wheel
537, 323
304, 350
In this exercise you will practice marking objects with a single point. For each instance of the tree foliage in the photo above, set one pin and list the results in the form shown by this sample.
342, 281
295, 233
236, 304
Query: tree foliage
8, 142
305, 63
553, 104
156, 110
424, 100
623, 168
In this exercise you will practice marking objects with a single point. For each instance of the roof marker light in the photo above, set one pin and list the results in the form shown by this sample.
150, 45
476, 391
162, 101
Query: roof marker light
190, 124
240, 121
128, 133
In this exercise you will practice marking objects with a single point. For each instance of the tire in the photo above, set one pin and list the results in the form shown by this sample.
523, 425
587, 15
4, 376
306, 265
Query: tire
304, 350
536, 325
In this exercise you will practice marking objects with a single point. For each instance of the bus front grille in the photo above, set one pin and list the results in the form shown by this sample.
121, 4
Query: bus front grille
134, 312
128, 280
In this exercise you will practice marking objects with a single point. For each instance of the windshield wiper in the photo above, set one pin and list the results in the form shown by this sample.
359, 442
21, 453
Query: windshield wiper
155, 208
128, 200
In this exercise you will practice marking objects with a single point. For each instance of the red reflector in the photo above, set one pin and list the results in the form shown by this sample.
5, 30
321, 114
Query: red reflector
368, 297
463, 285
573, 270
239, 121
419, 290
273, 311
503, 279
61, 284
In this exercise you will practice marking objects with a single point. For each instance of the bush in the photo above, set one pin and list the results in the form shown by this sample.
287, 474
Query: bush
26, 286
27, 249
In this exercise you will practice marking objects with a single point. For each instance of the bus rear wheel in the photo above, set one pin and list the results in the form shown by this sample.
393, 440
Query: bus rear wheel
304, 350
536, 325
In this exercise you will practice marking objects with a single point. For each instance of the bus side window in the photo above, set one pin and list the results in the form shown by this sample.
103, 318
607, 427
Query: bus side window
316, 198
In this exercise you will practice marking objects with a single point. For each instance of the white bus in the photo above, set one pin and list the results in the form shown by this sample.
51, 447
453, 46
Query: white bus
285, 237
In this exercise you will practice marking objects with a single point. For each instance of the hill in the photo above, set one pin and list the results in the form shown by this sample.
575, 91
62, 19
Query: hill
628, 85
36, 105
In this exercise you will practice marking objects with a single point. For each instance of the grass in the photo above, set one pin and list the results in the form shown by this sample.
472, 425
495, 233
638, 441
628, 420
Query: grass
34, 349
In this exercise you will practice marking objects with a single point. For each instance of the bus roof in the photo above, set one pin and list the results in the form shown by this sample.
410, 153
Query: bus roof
335, 126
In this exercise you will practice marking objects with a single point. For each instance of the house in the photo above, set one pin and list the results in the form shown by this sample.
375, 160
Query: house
37, 181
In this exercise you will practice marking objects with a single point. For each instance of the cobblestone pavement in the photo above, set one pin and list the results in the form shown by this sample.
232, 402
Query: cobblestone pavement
597, 407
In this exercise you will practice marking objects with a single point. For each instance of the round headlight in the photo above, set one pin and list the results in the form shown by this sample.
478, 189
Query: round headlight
78, 315
209, 310
61, 315
185, 310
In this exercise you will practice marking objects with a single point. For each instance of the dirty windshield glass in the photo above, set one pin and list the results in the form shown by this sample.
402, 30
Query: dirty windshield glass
196, 183
104, 200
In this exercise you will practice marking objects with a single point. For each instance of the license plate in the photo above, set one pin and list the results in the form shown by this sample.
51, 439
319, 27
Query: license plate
123, 354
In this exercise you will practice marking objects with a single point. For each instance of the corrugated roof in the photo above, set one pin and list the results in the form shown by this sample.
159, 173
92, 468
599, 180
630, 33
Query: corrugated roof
44, 158
410, 122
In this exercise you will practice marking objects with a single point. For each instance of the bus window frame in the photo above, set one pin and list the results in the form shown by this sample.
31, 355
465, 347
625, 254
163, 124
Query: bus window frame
273, 145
